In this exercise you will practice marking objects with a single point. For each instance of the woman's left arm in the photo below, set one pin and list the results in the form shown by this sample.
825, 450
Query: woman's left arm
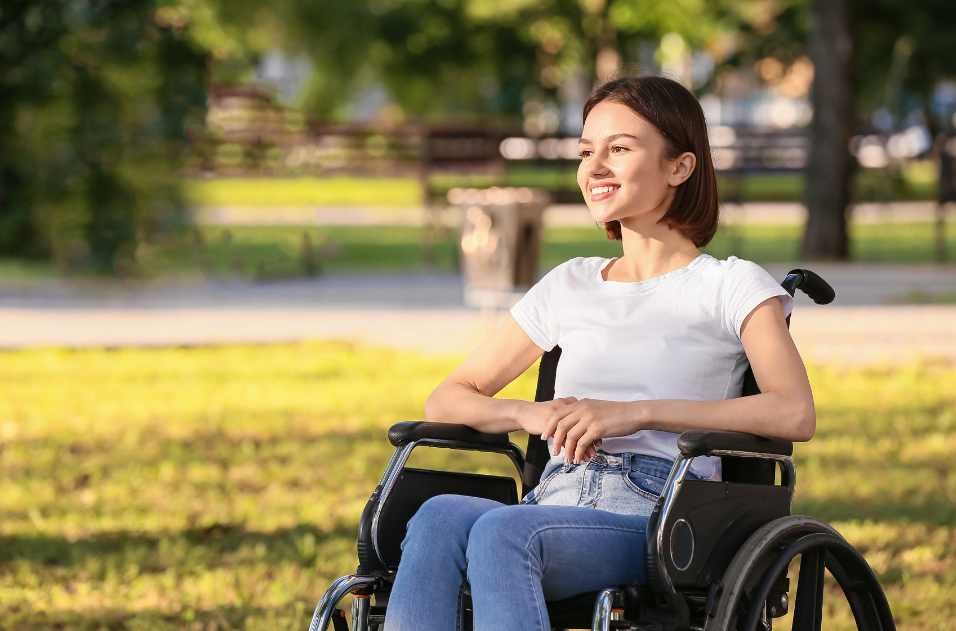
784, 409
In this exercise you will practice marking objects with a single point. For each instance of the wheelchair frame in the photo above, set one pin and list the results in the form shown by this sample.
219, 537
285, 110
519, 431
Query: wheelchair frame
746, 536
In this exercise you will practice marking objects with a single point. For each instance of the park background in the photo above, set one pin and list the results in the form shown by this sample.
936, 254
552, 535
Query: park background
230, 252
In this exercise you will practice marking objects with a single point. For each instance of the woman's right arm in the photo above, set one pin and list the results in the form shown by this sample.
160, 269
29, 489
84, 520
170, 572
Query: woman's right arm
466, 395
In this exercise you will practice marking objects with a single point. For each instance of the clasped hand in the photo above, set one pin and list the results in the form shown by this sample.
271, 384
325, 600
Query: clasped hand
580, 426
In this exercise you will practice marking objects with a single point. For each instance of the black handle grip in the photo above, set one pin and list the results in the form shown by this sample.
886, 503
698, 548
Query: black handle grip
811, 284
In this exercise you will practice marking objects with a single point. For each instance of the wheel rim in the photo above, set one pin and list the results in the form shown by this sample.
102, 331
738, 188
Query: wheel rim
767, 555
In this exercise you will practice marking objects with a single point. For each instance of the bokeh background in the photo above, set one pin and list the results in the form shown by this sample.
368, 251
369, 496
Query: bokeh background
232, 237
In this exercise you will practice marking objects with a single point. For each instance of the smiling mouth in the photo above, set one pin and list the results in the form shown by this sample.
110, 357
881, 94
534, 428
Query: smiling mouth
599, 193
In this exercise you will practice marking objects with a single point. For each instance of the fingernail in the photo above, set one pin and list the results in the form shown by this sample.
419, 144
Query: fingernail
543, 437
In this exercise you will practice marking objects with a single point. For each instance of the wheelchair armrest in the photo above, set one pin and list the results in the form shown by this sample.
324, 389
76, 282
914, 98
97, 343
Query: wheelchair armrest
699, 442
403, 433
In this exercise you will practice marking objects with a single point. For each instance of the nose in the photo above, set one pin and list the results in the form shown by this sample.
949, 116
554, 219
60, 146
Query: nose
596, 166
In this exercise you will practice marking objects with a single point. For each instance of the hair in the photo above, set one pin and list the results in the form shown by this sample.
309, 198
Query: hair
676, 114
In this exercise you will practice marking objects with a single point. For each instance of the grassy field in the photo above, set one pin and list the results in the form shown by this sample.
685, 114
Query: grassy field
918, 181
275, 252
219, 488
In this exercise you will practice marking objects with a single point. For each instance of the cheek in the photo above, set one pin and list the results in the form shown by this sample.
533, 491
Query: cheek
582, 177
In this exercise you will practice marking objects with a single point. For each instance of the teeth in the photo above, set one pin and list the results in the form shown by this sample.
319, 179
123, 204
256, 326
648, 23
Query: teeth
603, 189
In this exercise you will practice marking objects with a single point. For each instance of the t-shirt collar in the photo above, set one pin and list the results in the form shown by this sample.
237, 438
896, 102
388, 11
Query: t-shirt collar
641, 286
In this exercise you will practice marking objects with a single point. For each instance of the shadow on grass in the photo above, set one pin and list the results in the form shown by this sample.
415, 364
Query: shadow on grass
300, 545
937, 512
294, 616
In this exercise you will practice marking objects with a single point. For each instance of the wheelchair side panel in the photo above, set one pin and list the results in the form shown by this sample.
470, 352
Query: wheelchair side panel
415, 486
716, 518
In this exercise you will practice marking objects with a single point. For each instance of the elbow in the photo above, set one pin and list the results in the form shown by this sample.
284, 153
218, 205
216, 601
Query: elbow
805, 423
432, 407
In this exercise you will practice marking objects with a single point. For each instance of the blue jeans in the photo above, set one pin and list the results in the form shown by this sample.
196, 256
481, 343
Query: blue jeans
552, 546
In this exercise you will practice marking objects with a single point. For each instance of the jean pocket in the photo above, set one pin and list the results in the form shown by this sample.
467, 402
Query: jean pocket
535, 494
644, 484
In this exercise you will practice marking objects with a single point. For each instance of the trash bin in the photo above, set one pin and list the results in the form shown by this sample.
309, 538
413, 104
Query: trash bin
500, 242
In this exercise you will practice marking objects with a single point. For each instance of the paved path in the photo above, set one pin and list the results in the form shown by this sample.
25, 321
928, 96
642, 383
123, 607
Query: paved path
426, 312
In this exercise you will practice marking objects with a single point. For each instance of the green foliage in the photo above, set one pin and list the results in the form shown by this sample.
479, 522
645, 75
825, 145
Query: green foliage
219, 488
93, 130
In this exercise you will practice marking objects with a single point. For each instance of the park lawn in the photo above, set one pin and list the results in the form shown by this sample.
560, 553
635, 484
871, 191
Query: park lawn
917, 182
277, 252
304, 191
220, 487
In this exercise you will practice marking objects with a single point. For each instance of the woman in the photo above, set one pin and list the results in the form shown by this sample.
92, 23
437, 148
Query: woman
654, 343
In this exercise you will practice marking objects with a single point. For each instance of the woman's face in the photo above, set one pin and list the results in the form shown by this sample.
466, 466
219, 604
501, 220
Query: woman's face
623, 172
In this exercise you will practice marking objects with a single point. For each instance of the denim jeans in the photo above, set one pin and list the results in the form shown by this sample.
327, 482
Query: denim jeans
580, 530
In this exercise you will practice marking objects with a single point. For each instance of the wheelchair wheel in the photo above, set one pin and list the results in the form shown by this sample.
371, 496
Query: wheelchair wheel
752, 594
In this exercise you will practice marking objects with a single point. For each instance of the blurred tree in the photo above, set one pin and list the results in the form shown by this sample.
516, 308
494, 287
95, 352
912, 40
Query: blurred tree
464, 57
97, 98
830, 166
29, 59
867, 55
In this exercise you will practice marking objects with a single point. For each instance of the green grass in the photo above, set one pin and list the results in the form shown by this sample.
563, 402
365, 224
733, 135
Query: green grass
276, 252
917, 182
304, 191
219, 488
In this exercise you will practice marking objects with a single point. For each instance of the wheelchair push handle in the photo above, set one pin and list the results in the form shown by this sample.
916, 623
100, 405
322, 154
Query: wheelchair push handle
809, 283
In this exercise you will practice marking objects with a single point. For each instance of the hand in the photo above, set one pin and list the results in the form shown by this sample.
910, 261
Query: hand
580, 426
534, 418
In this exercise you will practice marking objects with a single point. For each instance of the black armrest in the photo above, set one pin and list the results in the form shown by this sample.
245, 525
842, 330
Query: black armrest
402, 433
699, 442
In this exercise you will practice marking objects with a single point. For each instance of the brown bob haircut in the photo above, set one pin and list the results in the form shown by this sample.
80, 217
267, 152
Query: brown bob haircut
676, 114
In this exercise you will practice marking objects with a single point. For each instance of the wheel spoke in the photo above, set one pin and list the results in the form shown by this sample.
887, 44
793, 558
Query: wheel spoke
808, 610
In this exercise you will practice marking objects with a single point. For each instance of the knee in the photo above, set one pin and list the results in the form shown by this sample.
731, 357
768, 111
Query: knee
502, 532
443, 520
433, 512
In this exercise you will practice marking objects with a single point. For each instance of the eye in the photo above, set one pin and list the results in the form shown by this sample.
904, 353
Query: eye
618, 148
585, 153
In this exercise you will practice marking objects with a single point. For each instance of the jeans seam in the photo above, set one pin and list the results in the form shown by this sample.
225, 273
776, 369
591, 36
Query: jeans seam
600, 487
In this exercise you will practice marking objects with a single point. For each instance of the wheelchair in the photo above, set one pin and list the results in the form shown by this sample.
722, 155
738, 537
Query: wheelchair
717, 554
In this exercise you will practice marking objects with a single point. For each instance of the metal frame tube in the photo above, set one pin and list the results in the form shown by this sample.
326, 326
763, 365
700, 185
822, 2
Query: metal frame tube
603, 610
360, 609
332, 596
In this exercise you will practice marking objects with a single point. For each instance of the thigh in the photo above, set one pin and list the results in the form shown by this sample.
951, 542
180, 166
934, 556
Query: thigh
446, 520
576, 549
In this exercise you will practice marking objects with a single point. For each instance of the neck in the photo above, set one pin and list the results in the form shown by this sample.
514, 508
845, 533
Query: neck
651, 249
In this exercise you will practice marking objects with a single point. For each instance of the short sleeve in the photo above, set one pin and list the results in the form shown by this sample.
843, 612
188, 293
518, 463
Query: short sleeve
535, 313
748, 286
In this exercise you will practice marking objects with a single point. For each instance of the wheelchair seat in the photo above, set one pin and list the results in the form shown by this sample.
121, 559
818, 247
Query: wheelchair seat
716, 553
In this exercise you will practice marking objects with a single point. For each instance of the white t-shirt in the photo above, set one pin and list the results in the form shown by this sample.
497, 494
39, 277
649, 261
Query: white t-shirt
676, 336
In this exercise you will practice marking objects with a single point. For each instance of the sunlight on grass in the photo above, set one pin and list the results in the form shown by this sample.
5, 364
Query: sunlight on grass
220, 488
304, 191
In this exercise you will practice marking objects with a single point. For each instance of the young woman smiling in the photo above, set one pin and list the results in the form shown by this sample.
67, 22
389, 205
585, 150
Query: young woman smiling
654, 342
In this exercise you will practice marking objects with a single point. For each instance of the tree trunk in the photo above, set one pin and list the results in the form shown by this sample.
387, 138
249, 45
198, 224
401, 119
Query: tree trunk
830, 165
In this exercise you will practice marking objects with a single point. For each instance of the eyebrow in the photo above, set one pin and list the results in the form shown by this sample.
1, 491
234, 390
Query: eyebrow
585, 141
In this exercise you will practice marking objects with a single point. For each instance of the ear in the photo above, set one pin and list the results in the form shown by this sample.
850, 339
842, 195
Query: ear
681, 168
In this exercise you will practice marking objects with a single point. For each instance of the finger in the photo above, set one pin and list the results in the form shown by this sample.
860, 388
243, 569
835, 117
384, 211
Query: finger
563, 420
583, 444
590, 452
573, 447
556, 415
561, 432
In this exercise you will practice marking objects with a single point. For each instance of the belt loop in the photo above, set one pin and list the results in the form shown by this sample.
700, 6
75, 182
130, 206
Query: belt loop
626, 465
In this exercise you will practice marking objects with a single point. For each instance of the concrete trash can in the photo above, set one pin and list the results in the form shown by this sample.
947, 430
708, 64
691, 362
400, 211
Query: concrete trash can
500, 242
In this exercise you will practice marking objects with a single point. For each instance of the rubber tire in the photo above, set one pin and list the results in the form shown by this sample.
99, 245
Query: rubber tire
754, 559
